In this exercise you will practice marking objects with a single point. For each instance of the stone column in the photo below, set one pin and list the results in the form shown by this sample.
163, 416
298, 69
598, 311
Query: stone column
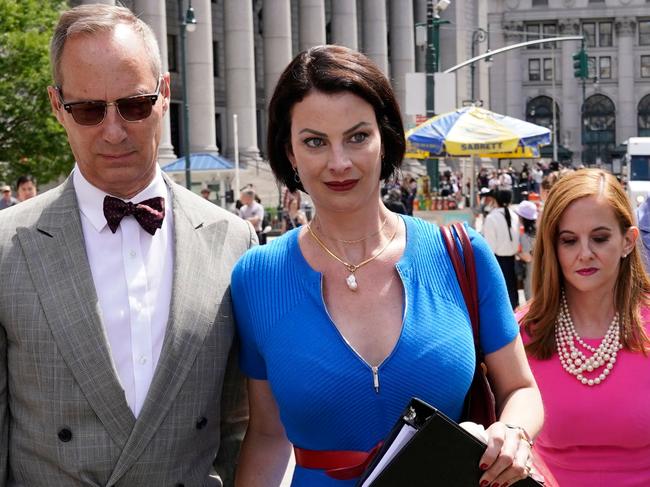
200, 80
402, 31
375, 39
277, 42
240, 77
344, 23
514, 77
312, 23
571, 97
154, 13
626, 119
420, 15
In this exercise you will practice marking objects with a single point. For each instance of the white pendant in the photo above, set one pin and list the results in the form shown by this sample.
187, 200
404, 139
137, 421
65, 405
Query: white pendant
351, 281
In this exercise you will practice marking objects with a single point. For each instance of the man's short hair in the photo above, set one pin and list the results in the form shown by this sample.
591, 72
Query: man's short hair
91, 19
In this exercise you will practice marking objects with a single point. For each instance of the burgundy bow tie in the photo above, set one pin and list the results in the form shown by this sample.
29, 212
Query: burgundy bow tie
149, 213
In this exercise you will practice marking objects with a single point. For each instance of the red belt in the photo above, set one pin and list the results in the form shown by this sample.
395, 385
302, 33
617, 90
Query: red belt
338, 464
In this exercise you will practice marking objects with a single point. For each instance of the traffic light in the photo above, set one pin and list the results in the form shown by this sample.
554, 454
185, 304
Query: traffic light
580, 64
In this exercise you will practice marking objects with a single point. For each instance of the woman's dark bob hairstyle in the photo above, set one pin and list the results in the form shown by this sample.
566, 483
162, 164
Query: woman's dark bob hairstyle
332, 69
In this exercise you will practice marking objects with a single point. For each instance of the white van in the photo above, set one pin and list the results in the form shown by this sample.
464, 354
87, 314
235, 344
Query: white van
638, 169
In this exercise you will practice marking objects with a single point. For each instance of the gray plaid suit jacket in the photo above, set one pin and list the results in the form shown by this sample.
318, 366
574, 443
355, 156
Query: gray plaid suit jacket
64, 419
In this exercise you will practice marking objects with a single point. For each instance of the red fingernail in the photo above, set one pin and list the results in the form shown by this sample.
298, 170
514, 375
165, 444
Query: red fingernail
495, 485
483, 466
505, 485
484, 483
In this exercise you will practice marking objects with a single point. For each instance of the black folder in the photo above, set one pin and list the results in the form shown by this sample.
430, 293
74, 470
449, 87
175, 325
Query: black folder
438, 452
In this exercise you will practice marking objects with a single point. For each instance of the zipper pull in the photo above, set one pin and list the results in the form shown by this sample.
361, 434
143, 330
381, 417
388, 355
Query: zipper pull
375, 378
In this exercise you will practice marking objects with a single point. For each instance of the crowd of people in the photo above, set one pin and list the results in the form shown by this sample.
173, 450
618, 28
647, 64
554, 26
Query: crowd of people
146, 339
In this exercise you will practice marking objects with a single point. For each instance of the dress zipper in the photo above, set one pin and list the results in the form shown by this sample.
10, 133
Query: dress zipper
375, 378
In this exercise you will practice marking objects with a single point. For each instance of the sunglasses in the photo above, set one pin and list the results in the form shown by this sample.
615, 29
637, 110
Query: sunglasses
131, 109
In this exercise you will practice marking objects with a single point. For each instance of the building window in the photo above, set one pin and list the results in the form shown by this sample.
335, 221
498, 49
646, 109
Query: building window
548, 69
599, 121
596, 1
539, 31
215, 59
644, 117
645, 66
550, 30
540, 3
532, 34
605, 67
539, 111
534, 70
172, 60
589, 31
217, 127
174, 125
604, 34
591, 67
644, 33
597, 34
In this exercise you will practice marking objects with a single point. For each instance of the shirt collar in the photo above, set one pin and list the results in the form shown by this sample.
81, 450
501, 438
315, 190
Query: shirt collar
91, 198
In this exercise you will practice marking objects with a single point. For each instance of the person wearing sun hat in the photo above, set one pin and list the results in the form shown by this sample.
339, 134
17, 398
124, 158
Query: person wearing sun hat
527, 211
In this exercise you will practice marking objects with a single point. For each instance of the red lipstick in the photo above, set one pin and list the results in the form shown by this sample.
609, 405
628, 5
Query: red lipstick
346, 185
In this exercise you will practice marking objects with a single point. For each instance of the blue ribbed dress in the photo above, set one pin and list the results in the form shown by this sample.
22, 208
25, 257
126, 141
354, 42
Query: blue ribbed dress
323, 388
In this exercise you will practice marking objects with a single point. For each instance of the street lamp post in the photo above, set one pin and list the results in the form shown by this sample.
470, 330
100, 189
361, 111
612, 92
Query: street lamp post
432, 63
479, 35
187, 24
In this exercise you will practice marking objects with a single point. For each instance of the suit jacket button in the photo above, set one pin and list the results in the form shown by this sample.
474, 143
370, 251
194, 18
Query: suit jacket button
200, 424
180, 485
65, 435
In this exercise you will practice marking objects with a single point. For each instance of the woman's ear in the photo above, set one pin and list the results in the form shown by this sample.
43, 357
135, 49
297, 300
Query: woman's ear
629, 240
292, 158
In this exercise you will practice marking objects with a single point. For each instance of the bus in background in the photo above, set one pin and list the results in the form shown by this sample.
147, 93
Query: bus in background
638, 169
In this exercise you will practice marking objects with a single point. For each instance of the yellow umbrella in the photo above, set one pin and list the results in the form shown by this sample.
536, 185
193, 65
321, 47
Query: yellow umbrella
474, 131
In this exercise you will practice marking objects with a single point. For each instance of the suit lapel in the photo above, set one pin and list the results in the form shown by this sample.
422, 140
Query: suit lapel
57, 261
192, 313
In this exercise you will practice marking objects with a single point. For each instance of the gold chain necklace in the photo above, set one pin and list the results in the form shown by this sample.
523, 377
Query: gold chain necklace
383, 224
351, 280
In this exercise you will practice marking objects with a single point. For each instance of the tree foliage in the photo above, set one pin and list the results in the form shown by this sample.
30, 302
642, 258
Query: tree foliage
31, 139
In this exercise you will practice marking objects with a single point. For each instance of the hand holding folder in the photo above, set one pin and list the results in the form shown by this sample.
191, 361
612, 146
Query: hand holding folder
426, 448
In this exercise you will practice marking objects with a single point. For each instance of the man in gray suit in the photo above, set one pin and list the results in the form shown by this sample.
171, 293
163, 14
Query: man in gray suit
116, 328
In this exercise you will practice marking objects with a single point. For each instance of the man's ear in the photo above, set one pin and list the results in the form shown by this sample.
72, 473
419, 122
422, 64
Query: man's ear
165, 91
55, 103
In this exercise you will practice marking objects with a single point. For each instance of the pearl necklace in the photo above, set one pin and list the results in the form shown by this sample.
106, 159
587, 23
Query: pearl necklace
573, 359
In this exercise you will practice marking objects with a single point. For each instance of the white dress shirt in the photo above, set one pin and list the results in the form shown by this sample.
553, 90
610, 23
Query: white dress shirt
495, 231
132, 271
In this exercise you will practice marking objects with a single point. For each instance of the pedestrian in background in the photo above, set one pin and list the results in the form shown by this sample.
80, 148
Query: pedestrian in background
253, 212
6, 200
362, 309
26, 187
586, 334
501, 230
527, 211
294, 217
116, 330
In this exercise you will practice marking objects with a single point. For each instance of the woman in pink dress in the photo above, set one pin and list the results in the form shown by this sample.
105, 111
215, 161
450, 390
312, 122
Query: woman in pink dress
586, 335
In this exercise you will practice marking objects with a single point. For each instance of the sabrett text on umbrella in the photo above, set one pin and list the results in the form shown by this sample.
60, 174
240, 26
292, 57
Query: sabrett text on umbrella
482, 146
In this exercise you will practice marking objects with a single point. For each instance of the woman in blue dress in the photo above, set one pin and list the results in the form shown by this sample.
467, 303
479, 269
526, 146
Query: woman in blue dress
343, 320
